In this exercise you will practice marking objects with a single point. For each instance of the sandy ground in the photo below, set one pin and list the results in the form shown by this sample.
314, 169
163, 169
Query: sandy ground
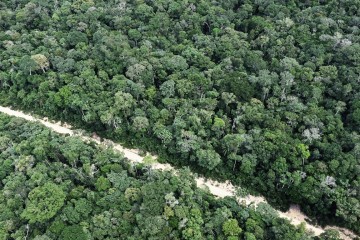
294, 215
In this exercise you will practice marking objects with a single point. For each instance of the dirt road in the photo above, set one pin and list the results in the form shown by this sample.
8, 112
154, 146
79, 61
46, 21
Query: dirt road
294, 215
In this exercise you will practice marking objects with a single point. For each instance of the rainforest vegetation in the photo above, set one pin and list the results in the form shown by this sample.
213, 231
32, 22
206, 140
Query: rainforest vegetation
55, 187
265, 93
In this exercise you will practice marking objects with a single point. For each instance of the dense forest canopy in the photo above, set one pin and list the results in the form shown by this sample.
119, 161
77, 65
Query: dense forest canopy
265, 93
55, 187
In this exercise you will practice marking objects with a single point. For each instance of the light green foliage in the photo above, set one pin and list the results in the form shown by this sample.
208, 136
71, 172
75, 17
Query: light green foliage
218, 125
208, 158
168, 88
148, 160
102, 184
132, 194
330, 234
43, 203
249, 236
140, 124
231, 228
193, 229
232, 142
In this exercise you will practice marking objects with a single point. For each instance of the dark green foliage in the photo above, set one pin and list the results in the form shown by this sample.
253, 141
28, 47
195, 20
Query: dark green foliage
177, 77
73, 233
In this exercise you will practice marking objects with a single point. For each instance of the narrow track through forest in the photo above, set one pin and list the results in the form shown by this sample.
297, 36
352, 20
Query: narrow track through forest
294, 215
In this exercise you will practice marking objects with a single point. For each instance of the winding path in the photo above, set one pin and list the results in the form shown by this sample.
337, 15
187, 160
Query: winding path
294, 215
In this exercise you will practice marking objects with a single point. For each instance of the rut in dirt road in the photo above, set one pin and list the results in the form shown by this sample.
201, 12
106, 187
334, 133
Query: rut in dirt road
294, 215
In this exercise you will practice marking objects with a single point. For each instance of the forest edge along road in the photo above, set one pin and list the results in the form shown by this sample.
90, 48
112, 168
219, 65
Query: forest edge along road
294, 215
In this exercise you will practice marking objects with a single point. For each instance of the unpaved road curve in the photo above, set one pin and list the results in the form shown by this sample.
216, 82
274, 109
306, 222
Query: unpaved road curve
294, 215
